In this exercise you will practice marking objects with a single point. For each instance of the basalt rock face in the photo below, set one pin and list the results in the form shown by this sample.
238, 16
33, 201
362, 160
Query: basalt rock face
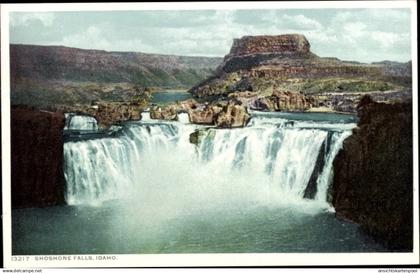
263, 64
373, 174
37, 178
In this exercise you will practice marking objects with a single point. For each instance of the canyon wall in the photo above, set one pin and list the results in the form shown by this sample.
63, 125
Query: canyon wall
373, 174
81, 65
37, 178
50, 75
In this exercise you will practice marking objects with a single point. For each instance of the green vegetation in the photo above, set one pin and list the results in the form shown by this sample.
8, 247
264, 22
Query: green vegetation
265, 86
188, 77
43, 94
314, 86
321, 85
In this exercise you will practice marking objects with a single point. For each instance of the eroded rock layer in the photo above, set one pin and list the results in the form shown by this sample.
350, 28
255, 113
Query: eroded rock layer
266, 43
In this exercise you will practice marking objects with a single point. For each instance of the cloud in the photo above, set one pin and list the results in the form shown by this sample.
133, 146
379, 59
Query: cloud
300, 22
355, 29
353, 34
26, 18
386, 39
94, 38
365, 35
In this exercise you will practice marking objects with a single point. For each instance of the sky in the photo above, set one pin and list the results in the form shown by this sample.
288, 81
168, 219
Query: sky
364, 35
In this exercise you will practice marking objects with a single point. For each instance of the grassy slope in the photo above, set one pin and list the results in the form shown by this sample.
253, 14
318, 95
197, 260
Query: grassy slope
44, 75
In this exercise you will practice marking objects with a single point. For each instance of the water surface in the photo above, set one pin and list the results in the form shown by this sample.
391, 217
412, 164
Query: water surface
106, 230
163, 97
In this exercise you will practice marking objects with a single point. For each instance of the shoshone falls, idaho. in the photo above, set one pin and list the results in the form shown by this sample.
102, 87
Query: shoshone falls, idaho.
274, 149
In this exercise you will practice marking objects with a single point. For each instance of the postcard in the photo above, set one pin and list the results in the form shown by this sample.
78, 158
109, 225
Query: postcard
209, 134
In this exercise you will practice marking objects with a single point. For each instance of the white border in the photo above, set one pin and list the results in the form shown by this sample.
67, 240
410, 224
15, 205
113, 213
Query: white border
211, 5
161, 260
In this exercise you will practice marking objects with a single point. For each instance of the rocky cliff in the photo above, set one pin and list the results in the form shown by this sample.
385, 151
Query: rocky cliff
67, 75
291, 43
282, 101
265, 64
373, 174
36, 157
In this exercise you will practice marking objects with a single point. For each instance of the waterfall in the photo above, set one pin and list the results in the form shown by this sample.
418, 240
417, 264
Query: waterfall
325, 177
272, 159
183, 118
80, 122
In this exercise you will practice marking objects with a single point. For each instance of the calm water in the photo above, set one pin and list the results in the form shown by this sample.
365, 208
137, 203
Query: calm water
147, 189
113, 229
163, 97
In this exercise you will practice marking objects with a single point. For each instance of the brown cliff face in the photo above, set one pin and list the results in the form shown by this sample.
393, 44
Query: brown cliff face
373, 174
36, 158
269, 44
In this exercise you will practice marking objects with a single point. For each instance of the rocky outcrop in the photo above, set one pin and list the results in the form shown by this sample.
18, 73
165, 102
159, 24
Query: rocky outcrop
107, 113
246, 98
291, 43
253, 51
223, 114
373, 174
204, 115
282, 101
37, 178
187, 105
348, 101
263, 64
164, 112
232, 115
198, 135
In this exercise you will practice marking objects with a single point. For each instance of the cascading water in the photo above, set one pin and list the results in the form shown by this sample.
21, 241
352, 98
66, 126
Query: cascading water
142, 187
80, 122
271, 160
